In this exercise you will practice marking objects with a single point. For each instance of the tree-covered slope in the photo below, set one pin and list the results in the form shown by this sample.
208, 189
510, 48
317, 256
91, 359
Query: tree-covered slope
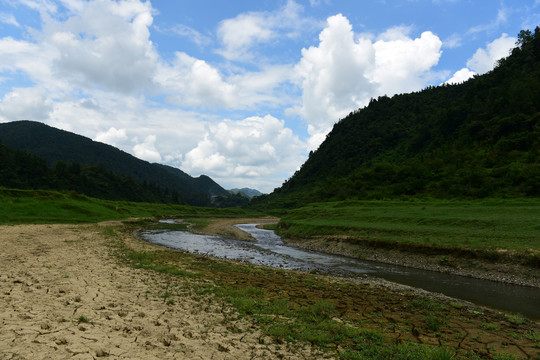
476, 139
20, 170
55, 145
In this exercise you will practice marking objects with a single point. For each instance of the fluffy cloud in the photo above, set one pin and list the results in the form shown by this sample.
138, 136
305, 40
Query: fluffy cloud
147, 150
32, 60
240, 35
105, 45
25, 104
113, 136
257, 148
483, 60
344, 72
194, 82
461, 76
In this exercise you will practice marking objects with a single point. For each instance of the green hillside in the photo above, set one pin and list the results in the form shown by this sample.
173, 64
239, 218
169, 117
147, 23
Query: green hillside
473, 140
20, 170
54, 145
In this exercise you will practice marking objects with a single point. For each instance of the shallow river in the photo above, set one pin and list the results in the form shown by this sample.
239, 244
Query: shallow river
269, 250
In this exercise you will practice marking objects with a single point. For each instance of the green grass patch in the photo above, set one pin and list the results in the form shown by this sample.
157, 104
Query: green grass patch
45, 207
491, 226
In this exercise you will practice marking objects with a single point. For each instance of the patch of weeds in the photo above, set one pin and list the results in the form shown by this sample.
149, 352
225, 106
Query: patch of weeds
170, 302
457, 305
424, 304
322, 310
166, 295
406, 351
279, 307
83, 319
500, 356
434, 323
121, 314
489, 326
533, 336
516, 319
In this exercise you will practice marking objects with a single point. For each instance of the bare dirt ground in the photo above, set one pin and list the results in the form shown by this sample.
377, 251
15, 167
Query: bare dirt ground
62, 295
225, 227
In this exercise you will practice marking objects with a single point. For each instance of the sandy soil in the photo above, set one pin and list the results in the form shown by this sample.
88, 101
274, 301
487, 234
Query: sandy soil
225, 227
63, 296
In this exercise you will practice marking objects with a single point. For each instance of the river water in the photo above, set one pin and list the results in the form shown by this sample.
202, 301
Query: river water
269, 250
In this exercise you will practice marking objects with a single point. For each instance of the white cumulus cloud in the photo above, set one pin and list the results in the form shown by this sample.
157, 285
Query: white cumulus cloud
193, 82
147, 150
113, 136
344, 71
257, 148
484, 60
25, 104
461, 76
242, 34
105, 45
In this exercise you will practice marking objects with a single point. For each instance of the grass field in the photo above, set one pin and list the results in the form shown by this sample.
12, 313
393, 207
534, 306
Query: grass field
42, 207
512, 225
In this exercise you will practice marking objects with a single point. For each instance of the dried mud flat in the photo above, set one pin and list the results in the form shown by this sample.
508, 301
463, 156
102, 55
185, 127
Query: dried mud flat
62, 296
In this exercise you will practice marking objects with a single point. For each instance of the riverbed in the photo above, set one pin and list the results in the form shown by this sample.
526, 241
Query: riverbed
269, 250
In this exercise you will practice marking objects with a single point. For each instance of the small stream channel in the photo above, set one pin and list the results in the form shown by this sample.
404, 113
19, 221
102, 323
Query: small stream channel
269, 250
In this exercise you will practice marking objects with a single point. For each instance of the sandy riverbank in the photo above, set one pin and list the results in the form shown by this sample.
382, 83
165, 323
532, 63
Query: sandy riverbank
62, 295
225, 227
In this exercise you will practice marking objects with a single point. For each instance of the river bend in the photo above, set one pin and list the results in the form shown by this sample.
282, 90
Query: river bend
270, 250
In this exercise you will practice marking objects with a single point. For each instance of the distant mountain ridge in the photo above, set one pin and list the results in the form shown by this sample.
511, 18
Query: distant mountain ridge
477, 139
250, 193
55, 145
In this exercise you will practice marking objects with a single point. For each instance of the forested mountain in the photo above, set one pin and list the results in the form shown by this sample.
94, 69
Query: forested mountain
250, 193
20, 170
54, 145
472, 140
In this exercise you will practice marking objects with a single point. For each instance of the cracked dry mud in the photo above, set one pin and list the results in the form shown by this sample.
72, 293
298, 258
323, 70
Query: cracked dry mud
62, 296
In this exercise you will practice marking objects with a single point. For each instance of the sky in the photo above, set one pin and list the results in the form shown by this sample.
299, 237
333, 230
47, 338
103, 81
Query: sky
238, 90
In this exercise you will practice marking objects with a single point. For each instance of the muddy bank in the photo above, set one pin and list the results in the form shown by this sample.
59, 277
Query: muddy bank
477, 268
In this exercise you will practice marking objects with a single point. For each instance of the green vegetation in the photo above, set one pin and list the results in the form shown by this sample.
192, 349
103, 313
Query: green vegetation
43, 207
65, 161
20, 170
473, 140
473, 227
83, 319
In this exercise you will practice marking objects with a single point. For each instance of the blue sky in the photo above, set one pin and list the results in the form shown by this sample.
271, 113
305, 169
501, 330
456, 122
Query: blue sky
239, 90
